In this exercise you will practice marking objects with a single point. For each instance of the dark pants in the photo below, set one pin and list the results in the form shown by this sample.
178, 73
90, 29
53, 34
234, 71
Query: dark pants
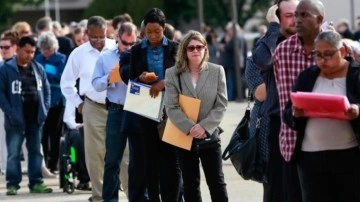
212, 165
14, 139
162, 169
136, 184
331, 176
115, 146
51, 136
77, 140
273, 189
291, 191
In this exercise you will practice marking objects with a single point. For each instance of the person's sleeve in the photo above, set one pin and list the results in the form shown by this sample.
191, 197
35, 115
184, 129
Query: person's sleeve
172, 107
100, 77
216, 114
68, 79
292, 122
125, 66
47, 91
70, 116
252, 75
263, 50
4, 102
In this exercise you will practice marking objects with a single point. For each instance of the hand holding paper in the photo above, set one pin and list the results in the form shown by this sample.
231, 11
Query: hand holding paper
114, 75
352, 112
320, 105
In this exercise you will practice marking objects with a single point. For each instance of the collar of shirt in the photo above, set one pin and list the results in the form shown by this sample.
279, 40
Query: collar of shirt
108, 45
145, 43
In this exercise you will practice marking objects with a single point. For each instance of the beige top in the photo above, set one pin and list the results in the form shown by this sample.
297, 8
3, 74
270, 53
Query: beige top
324, 133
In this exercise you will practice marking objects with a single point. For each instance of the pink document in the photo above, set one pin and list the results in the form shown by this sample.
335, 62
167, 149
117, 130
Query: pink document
321, 105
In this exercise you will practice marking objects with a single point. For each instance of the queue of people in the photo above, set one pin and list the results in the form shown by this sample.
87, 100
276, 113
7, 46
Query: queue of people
44, 81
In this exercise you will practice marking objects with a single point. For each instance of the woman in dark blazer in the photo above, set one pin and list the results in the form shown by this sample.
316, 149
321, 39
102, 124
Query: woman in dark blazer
205, 81
329, 157
155, 54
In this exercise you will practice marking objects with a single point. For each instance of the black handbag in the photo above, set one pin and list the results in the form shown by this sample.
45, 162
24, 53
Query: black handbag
210, 142
243, 151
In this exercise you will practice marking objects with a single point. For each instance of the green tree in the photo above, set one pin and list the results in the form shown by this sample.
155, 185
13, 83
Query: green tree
8, 7
110, 8
216, 12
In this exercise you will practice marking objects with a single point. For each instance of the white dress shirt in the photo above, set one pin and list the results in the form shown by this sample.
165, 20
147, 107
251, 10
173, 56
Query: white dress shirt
81, 64
70, 116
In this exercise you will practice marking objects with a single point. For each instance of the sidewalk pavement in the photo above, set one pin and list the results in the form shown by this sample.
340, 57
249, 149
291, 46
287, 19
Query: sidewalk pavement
239, 190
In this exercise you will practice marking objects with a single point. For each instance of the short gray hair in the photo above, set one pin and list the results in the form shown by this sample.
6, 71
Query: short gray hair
96, 21
48, 40
331, 37
127, 28
44, 24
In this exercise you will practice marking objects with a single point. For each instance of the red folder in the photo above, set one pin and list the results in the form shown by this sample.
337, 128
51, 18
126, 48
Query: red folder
321, 105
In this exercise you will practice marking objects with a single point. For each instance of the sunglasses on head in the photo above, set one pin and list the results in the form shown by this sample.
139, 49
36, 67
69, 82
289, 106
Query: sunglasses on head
197, 47
5, 47
125, 43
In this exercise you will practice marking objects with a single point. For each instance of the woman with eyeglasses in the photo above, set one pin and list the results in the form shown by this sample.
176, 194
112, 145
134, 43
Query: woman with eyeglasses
194, 76
329, 160
8, 45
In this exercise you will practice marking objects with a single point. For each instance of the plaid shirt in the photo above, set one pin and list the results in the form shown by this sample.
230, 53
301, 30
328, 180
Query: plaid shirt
290, 59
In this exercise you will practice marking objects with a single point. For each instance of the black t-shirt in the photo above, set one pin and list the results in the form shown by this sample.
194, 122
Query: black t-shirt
29, 93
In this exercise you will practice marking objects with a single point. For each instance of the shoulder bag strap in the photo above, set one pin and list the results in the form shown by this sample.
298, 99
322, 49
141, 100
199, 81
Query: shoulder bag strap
179, 80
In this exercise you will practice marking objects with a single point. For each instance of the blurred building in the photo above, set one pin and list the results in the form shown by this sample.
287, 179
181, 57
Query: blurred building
69, 10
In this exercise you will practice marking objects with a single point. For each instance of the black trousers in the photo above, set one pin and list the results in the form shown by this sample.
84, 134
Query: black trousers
212, 165
273, 188
162, 169
283, 180
331, 176
51, 136
77, 140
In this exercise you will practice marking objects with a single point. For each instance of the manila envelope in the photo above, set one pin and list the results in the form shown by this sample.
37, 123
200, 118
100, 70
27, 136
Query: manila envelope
172, 135
115, 74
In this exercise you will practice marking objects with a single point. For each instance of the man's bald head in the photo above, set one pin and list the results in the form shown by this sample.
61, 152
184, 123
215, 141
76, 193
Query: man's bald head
315, 6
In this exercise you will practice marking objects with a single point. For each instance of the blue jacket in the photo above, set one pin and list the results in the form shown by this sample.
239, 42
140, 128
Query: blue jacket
54, 68
10, 96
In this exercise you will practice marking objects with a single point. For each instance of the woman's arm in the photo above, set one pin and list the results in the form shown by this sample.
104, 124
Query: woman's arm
173, 110
216, 114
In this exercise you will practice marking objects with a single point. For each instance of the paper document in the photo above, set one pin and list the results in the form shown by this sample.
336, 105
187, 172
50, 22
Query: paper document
321, 105
139, 101
172, 135
115, 76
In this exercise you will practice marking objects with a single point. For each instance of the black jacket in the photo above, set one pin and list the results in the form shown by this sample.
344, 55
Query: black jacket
306, 82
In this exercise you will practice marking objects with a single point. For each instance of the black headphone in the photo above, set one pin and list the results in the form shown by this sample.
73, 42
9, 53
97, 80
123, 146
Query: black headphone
277, 2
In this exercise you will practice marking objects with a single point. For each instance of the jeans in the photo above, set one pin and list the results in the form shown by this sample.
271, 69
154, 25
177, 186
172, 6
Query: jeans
14, 139
115, 146
212, 165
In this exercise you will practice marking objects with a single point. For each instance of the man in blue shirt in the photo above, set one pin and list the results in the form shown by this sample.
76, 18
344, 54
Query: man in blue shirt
115, 143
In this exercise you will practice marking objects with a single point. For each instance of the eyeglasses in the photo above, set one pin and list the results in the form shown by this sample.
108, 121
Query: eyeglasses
197, 47
125, 43
5, 47
326, 56
94, 39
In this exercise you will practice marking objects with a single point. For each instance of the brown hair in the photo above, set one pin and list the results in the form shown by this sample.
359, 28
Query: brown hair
181, 56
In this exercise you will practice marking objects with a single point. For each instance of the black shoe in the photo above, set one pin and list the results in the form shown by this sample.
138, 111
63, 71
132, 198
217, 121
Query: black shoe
90, 199
84, 186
